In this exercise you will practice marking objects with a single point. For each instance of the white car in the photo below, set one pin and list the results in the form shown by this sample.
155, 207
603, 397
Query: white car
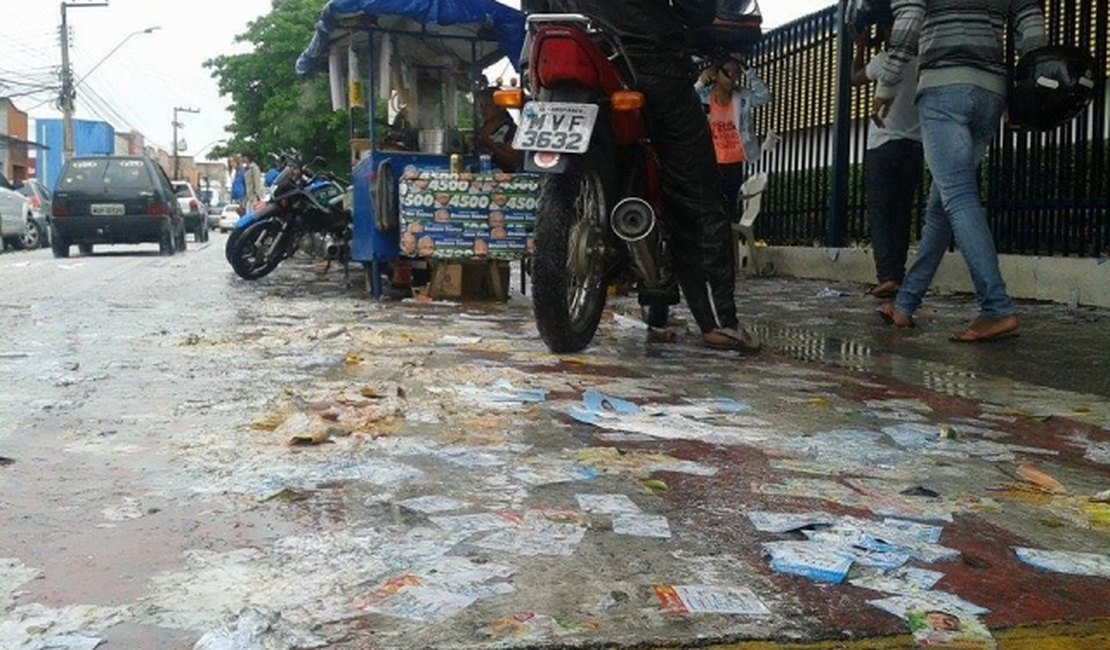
196, 216
15, 217
228, 217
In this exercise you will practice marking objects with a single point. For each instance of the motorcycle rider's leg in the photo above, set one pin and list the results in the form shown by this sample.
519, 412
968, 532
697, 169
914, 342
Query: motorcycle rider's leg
697, 225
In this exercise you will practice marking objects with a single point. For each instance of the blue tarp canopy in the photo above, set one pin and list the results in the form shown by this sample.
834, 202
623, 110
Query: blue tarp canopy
484, 20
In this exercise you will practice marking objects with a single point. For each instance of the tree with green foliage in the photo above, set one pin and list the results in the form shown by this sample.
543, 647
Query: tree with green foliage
272, 107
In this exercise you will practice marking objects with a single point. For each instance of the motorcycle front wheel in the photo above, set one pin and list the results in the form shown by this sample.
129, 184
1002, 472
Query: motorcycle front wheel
229, 245
568, 272
258, 250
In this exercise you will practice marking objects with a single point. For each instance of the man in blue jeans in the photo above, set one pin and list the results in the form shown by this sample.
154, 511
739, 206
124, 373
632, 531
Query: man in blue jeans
961, 97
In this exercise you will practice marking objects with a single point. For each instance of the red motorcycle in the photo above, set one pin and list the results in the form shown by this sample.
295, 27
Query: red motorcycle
601, 185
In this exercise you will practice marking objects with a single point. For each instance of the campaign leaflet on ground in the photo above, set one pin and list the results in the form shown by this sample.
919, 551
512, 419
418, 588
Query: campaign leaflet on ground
452, 216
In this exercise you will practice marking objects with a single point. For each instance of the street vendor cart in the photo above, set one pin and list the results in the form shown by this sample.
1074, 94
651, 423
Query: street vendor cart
423, 196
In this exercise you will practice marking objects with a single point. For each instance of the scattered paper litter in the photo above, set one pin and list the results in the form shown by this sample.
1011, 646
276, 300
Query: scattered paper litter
706, 599
431, 504
13, 573
627, 322
901, 581
37, 627
938, 629
536, 535
813, 560
606, 504
471, 523
926, 601
127, 510
454, 340
1040, 479
254, 630
427, 604
501, 395
782, 522
1071, 562
939, 619
71, 642
640, 525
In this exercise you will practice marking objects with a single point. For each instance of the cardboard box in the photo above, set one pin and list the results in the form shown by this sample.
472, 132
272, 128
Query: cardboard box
470, 280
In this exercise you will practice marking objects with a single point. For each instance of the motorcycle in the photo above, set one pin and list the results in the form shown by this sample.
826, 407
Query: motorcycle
601, 208
284, 160
301, 205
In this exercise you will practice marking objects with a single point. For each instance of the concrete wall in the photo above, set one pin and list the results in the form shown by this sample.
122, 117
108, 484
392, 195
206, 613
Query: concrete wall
1084, 281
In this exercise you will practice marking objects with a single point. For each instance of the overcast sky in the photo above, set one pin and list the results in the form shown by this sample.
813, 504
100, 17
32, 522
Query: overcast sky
140, 84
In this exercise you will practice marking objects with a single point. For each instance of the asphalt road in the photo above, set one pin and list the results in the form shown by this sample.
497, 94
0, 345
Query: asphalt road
190, 458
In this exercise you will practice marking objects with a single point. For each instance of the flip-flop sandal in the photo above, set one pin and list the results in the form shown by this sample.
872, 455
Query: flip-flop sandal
971, 336
730, 340
889, 292
887, 311
661, 335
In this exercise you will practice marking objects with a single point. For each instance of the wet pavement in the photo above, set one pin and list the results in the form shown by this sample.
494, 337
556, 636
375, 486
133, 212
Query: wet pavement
193, 461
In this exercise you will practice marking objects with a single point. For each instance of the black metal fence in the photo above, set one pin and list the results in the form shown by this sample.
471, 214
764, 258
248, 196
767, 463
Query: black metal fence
1046, 193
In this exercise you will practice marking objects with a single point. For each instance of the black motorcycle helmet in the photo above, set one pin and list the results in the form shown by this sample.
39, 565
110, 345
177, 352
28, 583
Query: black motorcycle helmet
862, 14
736, 27
1051, 86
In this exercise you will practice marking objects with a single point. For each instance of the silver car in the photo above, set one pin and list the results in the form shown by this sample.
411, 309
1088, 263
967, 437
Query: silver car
15, 216
39, 199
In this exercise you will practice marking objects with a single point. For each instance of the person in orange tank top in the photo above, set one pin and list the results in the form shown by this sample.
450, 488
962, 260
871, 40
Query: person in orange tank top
729, 107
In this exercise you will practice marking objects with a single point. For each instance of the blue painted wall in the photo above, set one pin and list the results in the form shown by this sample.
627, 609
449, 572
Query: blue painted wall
90, 138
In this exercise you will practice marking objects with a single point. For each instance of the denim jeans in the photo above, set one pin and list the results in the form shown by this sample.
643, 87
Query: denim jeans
957, 124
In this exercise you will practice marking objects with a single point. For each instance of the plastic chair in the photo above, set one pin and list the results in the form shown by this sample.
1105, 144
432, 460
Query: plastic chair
751, 196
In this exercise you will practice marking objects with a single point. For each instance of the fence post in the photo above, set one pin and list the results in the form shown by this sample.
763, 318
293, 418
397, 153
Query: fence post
841, 174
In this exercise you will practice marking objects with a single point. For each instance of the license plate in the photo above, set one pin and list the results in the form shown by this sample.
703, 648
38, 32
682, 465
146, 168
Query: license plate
555, 126
107, 209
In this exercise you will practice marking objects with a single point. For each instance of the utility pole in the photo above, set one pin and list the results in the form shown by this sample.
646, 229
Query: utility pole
68, 90
176, 124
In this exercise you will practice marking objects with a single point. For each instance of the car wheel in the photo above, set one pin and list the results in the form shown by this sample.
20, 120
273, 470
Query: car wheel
33, 237
166, 242
85, 249
59, 245
181, 244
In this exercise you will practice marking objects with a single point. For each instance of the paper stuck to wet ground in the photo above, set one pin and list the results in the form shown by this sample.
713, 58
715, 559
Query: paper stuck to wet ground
1074, 563
641, 525
76, 627
606, 504
432, 504
939, 629
928, 601
940, 619
253, 630
13, 574
782, 522
707, 599
901, 581
536, 535
420, 603
470, 523
731, 424
500, 394
814, 560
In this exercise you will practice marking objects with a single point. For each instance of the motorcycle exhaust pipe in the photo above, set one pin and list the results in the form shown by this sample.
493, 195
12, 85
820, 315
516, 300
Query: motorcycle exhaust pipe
633, 221
334, 248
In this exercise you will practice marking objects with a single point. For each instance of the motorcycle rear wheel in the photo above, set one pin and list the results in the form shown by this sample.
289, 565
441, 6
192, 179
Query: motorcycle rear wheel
257, 251
568, 272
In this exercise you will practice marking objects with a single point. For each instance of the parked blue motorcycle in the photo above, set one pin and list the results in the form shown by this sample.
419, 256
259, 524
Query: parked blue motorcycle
301, 204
